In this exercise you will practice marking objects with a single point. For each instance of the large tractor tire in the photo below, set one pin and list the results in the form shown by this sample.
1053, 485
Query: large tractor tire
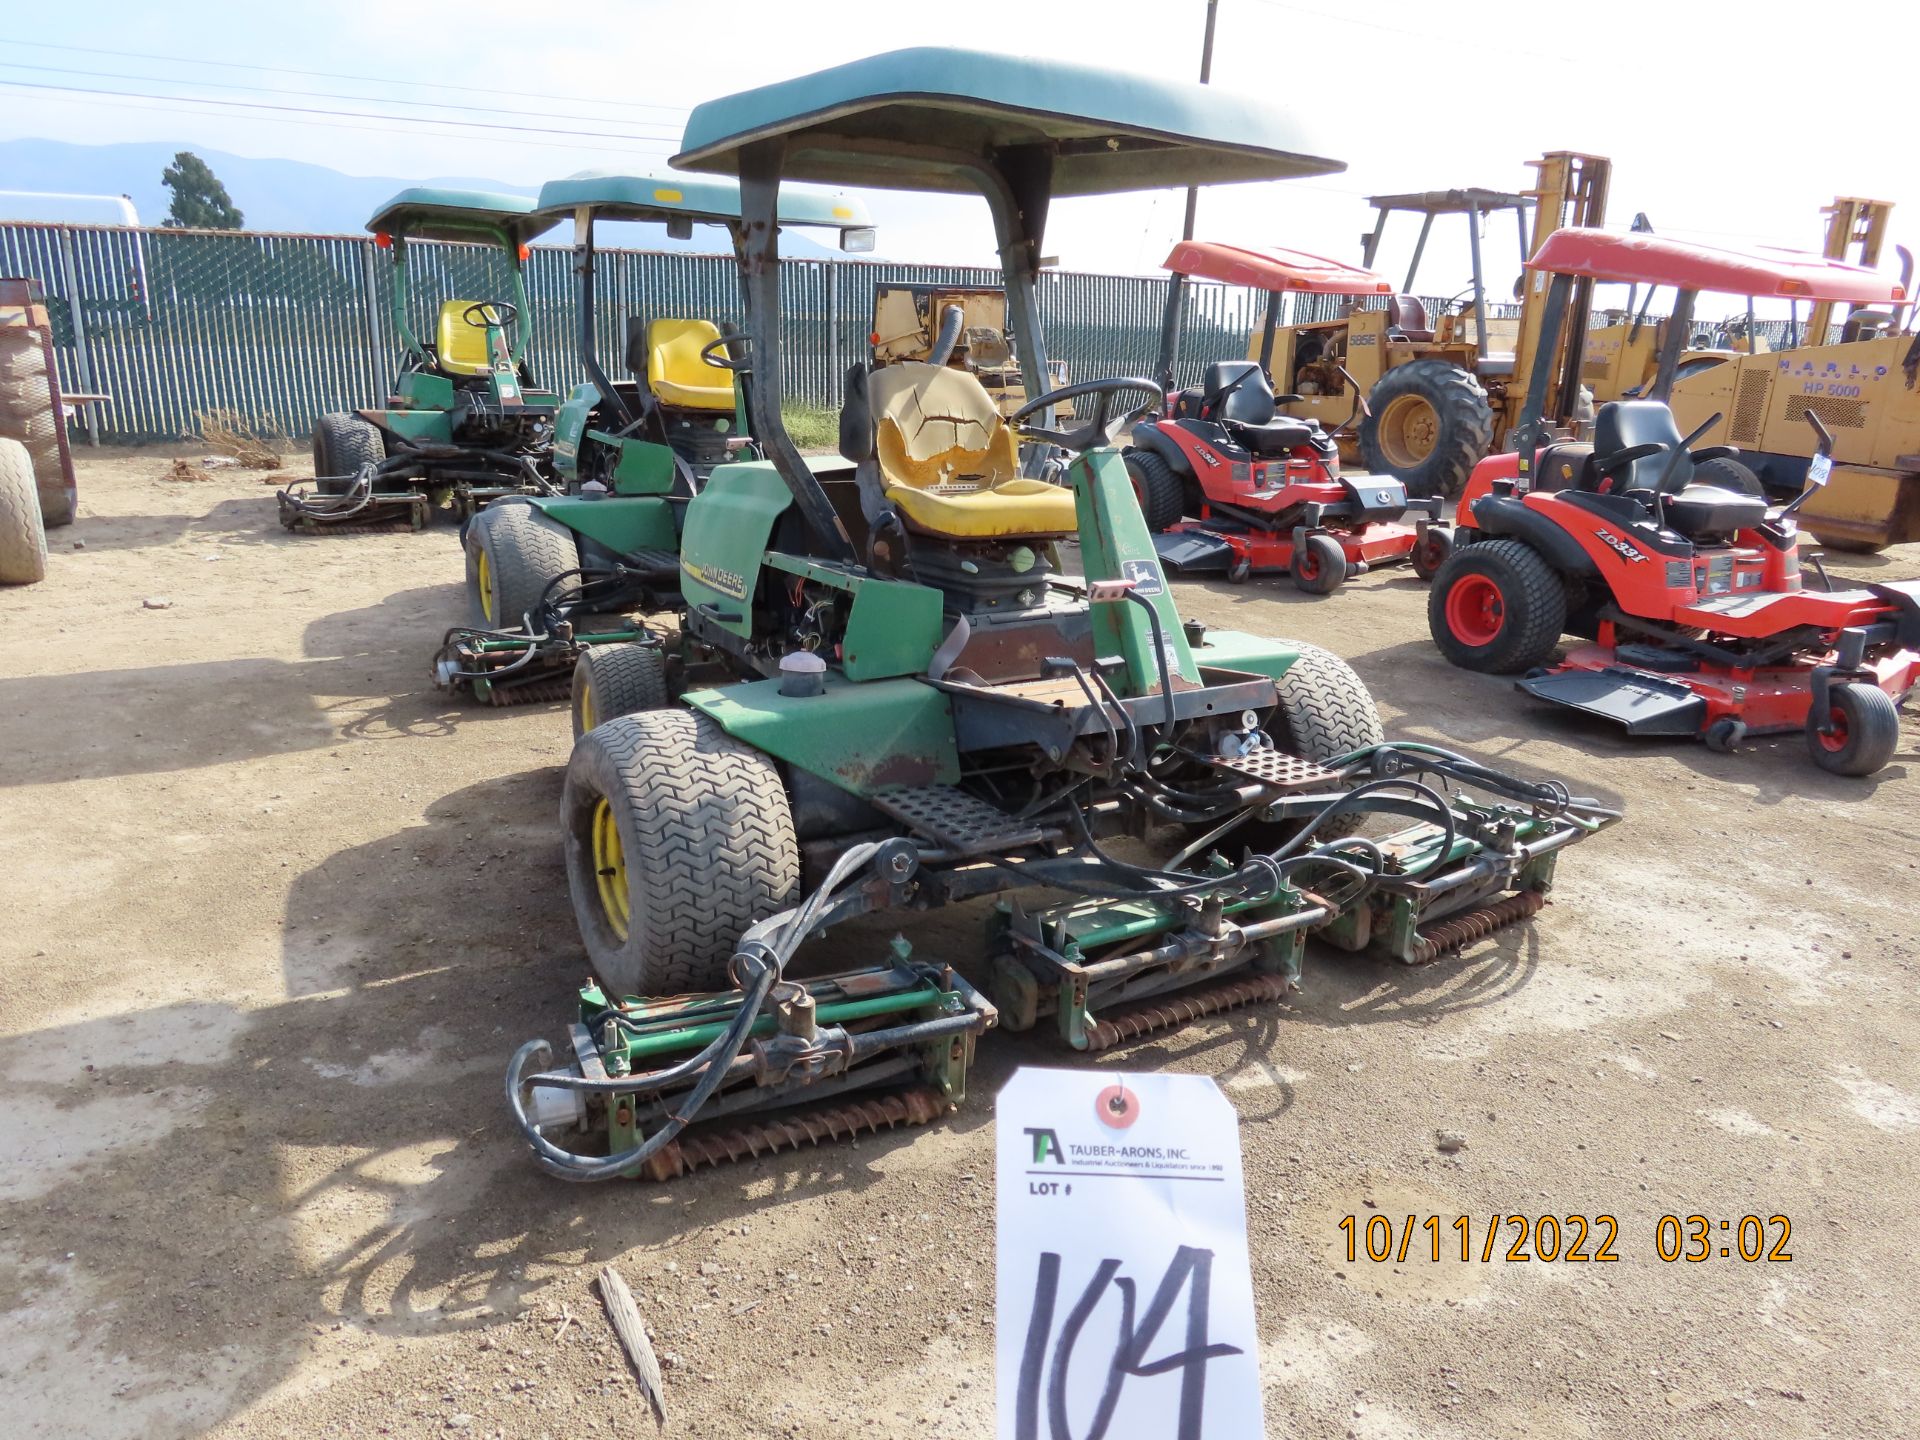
1497, 607
27, 416
614, 680
1431, 424
1729, 474
514, 556
1162, 495
23, 540
677, 839
342, 443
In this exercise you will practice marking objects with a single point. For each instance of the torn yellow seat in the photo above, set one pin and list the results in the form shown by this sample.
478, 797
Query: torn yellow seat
675, 372
462, 348
950, 464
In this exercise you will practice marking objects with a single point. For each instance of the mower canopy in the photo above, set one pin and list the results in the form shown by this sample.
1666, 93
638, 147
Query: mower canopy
1638, 258
425, 212
929, 119
612, 195
1273, 270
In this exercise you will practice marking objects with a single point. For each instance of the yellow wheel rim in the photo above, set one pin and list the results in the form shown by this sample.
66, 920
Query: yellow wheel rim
610, 870
589, 712
1409, 429
483, 577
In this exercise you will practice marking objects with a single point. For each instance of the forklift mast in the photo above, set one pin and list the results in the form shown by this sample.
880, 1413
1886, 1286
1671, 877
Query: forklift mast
1855, 231
1570, 190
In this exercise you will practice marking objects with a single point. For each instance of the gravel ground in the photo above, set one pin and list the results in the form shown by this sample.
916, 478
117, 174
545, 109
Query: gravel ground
277, 915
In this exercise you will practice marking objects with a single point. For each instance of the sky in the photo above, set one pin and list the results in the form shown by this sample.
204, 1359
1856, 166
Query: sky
1721, 126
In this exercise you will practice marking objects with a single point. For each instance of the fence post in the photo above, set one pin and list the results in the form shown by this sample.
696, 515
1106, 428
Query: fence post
376, 333
82, 366
833, 331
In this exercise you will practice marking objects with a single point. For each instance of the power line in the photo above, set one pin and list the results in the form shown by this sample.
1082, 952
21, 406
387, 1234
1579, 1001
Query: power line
336, 75
670, 132
371, 129
312, 110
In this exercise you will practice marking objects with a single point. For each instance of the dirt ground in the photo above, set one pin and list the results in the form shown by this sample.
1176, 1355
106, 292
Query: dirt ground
276, 914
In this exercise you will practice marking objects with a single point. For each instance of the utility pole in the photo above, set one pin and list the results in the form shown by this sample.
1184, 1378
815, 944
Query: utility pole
1206, 74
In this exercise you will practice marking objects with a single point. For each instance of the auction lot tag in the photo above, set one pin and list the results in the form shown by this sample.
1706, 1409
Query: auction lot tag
1125, 1305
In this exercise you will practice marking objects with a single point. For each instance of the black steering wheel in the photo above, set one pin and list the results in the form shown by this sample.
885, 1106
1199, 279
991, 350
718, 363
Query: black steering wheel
709, 352
484, 313
1102, 429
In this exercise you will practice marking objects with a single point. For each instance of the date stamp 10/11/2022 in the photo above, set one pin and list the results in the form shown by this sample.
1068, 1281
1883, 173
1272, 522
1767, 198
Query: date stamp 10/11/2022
1567, 1239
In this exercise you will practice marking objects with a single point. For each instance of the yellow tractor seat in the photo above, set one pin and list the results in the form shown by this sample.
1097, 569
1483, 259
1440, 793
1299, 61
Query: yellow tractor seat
950, 465
462, 347
675, 372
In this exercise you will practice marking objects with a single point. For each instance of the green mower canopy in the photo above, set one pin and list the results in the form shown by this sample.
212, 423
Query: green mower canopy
613, 195
927, 119
427, 212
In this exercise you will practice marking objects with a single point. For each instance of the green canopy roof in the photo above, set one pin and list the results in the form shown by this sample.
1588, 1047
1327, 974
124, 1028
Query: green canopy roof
916, 120
426, 212
616, 196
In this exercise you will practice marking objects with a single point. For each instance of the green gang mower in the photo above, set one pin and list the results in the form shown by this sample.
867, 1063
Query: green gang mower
465, 418
894, 688
560, 582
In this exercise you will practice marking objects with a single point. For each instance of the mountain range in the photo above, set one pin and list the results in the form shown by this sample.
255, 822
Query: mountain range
290, 195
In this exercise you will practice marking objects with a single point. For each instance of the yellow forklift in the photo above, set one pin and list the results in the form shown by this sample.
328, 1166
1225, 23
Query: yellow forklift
1862, 388
1439, 390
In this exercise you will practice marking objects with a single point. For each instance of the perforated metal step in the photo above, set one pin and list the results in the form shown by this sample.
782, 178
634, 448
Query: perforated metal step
954, 819
1289, 772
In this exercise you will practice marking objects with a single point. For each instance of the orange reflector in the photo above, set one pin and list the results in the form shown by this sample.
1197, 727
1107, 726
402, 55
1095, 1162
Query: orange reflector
525, 251
1795, 287
383, 240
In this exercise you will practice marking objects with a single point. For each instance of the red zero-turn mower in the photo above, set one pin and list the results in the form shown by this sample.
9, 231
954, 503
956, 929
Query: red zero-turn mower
1669, 559
1266, 489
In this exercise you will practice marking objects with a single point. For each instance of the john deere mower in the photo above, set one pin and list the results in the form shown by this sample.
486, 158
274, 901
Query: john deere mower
1668, 558
1266, 488
465, 417
557, 582
894, 696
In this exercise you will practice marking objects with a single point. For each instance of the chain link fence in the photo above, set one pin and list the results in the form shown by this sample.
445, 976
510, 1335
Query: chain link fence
280, 329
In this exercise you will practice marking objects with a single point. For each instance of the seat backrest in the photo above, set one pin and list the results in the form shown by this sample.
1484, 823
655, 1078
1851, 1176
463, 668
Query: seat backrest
675, 372
1623, 424
462, 348
1251, 400
1407, 313
937, 428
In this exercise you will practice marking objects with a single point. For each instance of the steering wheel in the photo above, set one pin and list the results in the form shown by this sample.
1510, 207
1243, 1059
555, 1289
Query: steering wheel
1103, 428
709, 352
484, 313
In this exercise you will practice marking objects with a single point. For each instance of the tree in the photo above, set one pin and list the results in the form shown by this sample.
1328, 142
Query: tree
200, 201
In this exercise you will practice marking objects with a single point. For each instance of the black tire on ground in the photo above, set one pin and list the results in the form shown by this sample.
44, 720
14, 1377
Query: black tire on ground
514, 553
27, 415
1161, 495
1319, 566
1729, 474
342, 443
1866, 731
1325, 711
23, 539
1430, 552
1497, 607
614, 680
1431, 424
677, 839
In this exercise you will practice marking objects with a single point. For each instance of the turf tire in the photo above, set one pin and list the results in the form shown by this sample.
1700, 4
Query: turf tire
1462, 416
525, 553
1729, 474
342, 443
708, 843
1320, 566
1531, 601
1162, 496
23, 539
27, 415
1870, 731
614, 680
1326, 711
